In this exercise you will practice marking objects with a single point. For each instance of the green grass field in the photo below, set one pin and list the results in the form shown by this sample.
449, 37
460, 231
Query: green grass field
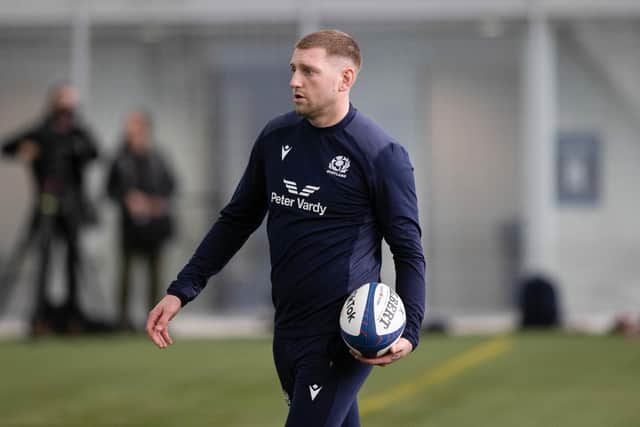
517, 381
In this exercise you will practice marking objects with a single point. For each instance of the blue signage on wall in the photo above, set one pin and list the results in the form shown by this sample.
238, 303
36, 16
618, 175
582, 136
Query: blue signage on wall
578, 170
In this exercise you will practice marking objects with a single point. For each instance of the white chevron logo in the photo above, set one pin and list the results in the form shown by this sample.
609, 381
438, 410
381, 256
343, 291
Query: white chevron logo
285, 150
292, 188
314, 390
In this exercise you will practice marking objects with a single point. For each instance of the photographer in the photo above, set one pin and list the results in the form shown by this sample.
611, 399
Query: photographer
57, 149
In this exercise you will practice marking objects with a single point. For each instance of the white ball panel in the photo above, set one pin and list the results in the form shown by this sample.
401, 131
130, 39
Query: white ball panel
389, 310
353, 311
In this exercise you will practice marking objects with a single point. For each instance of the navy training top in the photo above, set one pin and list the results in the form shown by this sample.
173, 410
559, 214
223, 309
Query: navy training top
332, 194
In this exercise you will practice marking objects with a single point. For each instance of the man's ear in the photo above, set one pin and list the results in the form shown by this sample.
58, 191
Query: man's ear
348, 78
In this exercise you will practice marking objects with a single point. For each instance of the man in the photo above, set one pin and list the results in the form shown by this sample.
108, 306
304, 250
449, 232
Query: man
142, 183
333, 184
58, 150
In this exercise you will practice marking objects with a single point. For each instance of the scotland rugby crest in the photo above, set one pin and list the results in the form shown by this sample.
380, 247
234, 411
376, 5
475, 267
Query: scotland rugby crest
339, 166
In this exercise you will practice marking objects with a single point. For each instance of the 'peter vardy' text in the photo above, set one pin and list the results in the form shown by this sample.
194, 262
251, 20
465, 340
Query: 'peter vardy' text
298, 202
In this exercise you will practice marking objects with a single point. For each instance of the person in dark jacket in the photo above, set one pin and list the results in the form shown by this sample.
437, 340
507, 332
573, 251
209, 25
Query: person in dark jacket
58, 150
142, 183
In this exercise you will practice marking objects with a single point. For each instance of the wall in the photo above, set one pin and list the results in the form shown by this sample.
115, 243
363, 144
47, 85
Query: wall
599, 245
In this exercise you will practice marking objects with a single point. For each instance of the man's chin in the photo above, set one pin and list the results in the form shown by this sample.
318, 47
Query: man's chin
301, 111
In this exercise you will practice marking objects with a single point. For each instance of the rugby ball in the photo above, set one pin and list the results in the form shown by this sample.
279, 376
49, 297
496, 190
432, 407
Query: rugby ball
372, 319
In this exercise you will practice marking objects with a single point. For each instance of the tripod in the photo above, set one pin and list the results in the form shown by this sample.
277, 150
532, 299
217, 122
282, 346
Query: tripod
46, 225
13, 265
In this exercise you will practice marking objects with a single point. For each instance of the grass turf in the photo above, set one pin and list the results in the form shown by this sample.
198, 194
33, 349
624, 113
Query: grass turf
540, 380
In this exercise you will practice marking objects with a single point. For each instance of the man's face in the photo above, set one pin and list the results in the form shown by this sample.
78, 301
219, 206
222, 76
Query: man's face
136, 133
65, 99
315, 82
62, 107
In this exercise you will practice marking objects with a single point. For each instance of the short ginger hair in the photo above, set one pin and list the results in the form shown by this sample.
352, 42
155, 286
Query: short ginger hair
335, 43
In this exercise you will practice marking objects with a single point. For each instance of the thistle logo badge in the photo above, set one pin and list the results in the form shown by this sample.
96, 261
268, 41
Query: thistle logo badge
339, 166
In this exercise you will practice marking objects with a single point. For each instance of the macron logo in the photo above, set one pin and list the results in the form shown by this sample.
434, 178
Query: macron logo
314, 390
285, 150
292, 188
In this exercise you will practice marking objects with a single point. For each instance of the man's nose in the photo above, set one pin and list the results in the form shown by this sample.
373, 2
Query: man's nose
295, 81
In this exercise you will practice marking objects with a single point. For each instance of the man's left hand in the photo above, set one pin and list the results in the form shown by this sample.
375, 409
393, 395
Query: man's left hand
397, 351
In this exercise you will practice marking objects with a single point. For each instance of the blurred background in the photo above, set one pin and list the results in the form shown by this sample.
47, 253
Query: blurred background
521, 119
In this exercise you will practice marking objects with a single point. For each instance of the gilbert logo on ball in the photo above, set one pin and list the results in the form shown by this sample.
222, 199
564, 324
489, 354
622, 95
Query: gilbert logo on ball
372, 319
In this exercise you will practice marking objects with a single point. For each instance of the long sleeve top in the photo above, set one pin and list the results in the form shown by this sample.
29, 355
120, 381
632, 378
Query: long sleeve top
331, 194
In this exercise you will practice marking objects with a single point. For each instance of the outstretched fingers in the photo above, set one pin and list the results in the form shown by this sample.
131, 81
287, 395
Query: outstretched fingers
158, 321
154, 328
163, 329
158, 327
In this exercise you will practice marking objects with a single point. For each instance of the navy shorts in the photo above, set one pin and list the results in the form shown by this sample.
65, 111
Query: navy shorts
320, 380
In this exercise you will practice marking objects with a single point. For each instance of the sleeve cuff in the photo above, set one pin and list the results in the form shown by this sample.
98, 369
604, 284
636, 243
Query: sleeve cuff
181, 297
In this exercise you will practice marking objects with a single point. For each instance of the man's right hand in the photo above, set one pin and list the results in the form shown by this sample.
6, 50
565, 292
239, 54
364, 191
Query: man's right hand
159, 318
